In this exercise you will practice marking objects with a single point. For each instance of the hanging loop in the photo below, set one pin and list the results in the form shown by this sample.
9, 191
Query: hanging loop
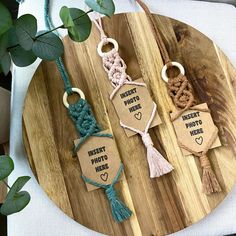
76, 90
104, 42
166, 66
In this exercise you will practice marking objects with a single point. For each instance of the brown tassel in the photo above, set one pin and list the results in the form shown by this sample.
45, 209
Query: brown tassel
210, 183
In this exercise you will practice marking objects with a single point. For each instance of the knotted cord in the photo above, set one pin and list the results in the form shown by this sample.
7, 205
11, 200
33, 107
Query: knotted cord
181, 92
115, 67
86, 125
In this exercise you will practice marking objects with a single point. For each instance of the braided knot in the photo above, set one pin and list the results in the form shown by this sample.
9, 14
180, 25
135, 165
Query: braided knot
204, 162
111, 193
147, 140
83, 118
181, 91
116, 68
104, 39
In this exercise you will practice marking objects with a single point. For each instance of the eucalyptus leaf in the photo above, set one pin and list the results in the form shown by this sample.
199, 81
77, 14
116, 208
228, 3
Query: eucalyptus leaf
6, 167
66, 17
48, 46
106, 7
83, 25
3, 44
26, 29
5, 63
21, 57
5, 19
11, 37
16, 200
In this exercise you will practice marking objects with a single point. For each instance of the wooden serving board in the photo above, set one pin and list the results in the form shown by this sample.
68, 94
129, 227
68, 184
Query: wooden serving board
161, 205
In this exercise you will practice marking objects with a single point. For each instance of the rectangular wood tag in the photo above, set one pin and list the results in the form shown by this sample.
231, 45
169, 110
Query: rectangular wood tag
99, 159
134, 106
194, 129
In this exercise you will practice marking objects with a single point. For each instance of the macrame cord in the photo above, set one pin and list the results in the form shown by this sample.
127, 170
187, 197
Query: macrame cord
181, 92
86, 125
115, 67
120, 211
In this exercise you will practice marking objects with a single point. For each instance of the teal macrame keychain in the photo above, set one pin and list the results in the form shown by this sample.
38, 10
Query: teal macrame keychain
83, 117
87, 127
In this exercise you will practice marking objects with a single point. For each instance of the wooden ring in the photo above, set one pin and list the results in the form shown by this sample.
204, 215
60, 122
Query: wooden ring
76, 90
104, 42
165, 67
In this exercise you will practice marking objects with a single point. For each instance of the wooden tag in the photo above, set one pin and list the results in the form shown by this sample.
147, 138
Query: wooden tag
99, 159
134, 107
194, 129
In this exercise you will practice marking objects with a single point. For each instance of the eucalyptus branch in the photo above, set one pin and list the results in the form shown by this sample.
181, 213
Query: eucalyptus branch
6, 184
62, 26
56, 28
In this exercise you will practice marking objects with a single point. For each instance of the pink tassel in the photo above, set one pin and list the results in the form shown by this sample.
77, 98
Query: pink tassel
158, 165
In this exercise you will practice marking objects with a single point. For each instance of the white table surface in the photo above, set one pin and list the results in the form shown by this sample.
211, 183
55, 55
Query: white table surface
42, 217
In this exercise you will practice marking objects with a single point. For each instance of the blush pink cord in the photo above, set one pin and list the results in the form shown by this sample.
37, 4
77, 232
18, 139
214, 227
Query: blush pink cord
115, 67
158, 165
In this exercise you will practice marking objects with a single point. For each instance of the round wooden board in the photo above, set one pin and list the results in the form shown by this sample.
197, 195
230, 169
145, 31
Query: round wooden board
161, 205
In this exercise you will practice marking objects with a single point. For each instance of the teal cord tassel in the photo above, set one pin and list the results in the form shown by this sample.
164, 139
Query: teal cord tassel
120, 211
85, 122
20, 1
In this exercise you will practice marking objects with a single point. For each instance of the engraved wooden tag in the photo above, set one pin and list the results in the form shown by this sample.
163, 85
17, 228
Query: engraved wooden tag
194, 129
99, 159
134, 107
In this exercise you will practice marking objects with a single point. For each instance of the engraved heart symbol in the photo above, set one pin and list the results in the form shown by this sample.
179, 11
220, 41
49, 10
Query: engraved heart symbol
199, 140
104, 176
138, 116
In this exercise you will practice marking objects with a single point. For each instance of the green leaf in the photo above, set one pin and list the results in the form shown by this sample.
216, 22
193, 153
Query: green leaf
26, 29
16, 200
5, 59
48, 46
12, 38
83, 25
106, 7
18, 203
6, 167
5, 63
3, 44
5, 19
21, 57
66, 17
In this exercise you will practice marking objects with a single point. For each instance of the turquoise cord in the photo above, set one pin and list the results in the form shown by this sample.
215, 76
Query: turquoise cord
120, 211
59, 61
85, 122
80, 112
87, 126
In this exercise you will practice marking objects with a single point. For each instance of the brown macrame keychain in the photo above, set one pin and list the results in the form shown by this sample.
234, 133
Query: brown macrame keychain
181, 92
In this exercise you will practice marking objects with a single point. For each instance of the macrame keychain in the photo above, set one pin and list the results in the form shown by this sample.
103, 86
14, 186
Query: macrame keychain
115, 67
90, 131
181, 92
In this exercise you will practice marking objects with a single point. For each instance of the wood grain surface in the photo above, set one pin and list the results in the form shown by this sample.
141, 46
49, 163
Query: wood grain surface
161, 205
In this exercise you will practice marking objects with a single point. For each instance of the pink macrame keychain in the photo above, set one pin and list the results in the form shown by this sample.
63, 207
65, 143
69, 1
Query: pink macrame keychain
115, 67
